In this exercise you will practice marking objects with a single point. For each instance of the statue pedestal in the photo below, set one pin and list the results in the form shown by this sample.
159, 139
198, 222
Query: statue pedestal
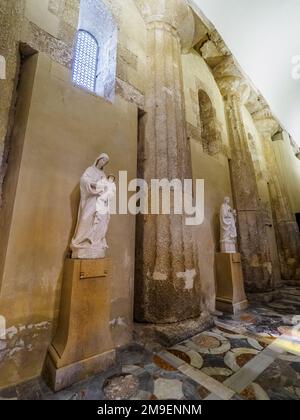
231, 295
82, 345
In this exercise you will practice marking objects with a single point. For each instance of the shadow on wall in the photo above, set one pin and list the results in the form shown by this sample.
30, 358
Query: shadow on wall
74, 201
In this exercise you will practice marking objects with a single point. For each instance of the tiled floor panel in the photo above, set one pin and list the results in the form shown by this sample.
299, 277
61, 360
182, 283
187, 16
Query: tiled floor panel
253, 356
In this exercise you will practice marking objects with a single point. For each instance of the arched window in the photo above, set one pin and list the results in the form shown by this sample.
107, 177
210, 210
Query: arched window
85, 61
211, 137
95, 61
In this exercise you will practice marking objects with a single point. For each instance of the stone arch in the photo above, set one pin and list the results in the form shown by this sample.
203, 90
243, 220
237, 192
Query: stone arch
210, 135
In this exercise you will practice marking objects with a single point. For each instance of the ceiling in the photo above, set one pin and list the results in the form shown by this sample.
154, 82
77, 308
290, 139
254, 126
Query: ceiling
264, 36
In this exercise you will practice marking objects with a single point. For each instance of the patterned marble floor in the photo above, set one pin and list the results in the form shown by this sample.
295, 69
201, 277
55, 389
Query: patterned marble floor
252, 356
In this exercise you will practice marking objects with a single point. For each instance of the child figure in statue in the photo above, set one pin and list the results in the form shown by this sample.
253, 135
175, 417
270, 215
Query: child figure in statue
96, 191
106, 188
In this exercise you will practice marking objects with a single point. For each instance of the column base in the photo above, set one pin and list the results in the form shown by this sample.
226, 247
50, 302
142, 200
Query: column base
265, 297
154, 337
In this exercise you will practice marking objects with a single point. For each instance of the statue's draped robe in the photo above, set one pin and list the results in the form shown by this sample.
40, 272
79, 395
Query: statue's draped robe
89, 240
227, 224
107, 193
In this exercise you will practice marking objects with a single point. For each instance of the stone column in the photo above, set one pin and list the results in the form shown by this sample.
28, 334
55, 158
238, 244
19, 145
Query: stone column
10, 24
167, 285
253, 244
286, 228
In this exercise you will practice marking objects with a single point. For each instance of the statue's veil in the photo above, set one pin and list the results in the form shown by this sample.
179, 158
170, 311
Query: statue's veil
103, 155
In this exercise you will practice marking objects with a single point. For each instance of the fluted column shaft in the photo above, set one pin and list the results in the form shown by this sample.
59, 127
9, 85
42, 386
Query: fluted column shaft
256, 255
286, 228
167, 278
253, 243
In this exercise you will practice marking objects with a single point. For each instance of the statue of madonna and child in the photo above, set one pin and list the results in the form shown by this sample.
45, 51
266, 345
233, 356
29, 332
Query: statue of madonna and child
96, 194
228, 232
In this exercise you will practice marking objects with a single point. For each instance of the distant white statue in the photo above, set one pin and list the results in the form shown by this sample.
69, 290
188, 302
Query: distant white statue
228, 227
96, 191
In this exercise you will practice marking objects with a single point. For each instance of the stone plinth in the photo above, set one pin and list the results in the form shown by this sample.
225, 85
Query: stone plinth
82, 345
231, 295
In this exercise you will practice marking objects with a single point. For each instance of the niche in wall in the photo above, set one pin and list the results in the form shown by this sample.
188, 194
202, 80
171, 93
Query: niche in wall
211, 137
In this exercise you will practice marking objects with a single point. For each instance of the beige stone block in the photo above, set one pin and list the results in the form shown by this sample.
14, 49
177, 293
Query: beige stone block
52, 114
82, 345
62, 378
38, 13
230, 284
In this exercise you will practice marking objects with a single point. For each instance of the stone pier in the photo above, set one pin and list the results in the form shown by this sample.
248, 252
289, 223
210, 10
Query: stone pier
167, 277
254, 247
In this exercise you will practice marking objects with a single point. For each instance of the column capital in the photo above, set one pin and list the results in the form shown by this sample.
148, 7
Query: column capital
231, 82
174, 13
264, 121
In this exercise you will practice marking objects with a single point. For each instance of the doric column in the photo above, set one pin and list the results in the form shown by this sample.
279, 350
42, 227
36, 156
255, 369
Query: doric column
253, 243
286, 228
167, 285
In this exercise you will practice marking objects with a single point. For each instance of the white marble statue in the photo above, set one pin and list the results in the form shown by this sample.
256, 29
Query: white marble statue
228, 227
96, 191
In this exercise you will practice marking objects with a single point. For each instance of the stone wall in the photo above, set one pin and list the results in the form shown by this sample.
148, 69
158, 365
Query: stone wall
56, 137
50, 26
213, 169
290, 168
262, 177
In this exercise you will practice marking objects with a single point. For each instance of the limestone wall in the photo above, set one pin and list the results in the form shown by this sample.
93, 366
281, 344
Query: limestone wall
290, 169
197, 75
59, 130
262, 180
258, 159
213, 169
50, 26
131, 65
30, 289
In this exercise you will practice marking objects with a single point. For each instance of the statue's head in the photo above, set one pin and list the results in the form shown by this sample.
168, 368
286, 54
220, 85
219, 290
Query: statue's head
227, 200
102, 161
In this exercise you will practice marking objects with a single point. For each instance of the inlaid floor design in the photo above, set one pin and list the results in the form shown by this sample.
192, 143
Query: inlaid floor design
252, 356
